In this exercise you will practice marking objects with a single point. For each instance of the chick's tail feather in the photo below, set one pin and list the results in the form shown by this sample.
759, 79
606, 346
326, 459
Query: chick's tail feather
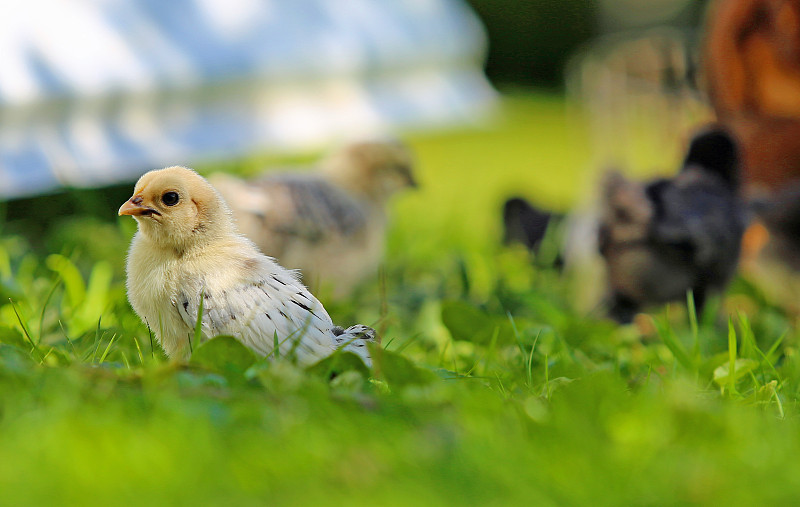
354, 339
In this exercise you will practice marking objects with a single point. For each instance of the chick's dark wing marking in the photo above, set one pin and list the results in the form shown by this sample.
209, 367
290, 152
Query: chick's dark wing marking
310, 207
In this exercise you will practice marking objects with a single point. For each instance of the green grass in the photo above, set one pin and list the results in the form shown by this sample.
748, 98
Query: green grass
494, 387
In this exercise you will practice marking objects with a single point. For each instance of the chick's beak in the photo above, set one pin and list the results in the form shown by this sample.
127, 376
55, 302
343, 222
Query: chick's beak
134, 207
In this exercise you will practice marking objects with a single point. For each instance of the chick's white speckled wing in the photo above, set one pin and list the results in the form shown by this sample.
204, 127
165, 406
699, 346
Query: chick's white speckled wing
256, 311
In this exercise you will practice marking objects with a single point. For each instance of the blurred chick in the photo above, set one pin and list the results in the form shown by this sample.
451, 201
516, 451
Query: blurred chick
187, 253
667, 236
330, 223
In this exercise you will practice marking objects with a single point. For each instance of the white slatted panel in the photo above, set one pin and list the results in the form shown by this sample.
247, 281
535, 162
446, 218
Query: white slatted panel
98, 91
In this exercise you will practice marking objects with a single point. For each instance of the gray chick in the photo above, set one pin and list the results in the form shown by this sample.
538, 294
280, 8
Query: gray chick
662, 238
329, 223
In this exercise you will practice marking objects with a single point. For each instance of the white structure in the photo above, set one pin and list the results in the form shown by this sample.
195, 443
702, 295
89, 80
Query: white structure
98, 91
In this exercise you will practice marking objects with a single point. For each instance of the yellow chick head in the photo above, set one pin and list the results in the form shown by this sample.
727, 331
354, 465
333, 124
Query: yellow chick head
376, 169
178, 209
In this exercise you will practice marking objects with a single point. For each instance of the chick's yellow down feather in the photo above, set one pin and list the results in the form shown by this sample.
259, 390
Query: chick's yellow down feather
187, 249
330, 223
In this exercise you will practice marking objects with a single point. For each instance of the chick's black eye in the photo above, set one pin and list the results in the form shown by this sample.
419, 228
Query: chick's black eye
170, 198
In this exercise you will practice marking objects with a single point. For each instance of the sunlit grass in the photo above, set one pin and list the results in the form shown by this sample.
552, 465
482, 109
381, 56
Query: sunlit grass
494, 386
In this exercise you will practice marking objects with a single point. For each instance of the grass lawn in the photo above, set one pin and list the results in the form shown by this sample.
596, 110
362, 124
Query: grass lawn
492, 387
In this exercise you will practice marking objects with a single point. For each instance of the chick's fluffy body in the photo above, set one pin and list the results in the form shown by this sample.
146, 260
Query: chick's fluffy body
191, 250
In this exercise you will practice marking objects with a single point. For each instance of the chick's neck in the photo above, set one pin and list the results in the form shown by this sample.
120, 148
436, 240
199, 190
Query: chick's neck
186, 241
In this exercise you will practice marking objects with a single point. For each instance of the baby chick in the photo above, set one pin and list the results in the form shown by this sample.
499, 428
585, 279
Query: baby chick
665, 237
330, 223
187, 253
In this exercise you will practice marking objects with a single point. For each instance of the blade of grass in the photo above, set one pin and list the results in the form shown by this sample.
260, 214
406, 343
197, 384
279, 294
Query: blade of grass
411, 339
161, 325
139, 349
669, 338
47, 355
44, 307
500, 384
491, 350
64, 332
765, 358
731, 358
25, 330
692, 310
484, 354
748, 338
98, 340
444, 353
775, 346
529, 367
547, 377
778, 401
516, 332
152, 349
108, 347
